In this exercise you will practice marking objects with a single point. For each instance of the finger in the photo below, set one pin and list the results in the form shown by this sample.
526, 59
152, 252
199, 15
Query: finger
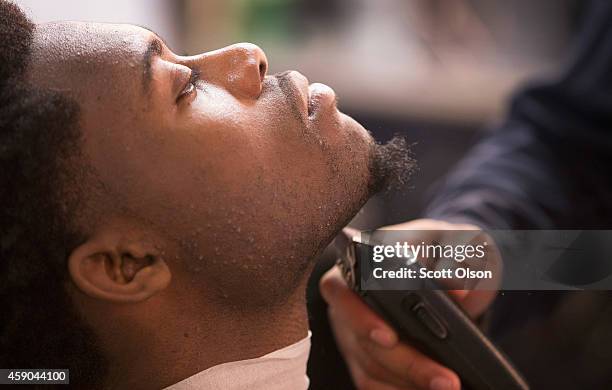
458, 295
401, 366
380, 374
413, 367
353, 312
362, 381
362, 366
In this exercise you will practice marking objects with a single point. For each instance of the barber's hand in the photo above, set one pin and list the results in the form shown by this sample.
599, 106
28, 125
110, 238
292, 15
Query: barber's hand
376, 358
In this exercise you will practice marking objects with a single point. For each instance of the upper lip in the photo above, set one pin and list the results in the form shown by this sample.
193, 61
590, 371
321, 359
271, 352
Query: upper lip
299, 86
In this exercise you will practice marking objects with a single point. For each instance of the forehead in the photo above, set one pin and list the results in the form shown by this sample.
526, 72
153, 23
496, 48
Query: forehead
73, 55
101, 65
82, 40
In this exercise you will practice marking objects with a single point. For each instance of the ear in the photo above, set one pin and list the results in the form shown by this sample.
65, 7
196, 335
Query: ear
111, 268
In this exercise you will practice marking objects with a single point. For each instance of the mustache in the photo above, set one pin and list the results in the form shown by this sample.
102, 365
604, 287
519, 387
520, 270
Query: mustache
283, 82
281, 75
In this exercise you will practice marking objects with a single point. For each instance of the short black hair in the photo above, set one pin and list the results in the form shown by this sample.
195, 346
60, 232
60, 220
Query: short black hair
39, 136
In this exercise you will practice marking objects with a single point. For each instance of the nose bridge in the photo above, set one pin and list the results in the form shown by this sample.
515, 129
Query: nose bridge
240, 68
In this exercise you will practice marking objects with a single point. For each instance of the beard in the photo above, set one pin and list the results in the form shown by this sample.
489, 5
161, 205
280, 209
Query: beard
391, 166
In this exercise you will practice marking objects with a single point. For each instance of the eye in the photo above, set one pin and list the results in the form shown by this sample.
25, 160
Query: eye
190, 87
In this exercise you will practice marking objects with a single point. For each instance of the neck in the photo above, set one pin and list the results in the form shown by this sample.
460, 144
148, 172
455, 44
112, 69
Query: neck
199, 337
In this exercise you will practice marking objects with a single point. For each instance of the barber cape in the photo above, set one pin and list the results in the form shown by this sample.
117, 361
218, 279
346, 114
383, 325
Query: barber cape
283, 369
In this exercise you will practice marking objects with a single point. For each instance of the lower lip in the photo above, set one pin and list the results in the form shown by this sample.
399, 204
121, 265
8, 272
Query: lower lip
320, 96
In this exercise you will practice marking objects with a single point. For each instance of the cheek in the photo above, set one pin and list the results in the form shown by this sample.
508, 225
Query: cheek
242, 144
227, 151
225, 161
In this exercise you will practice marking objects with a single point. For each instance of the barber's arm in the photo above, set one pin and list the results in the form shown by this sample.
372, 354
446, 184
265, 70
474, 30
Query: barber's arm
548, 166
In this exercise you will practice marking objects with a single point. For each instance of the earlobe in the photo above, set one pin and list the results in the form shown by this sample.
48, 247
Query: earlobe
106, 270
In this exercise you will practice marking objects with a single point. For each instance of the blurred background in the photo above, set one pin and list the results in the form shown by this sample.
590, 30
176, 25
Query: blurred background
439, 71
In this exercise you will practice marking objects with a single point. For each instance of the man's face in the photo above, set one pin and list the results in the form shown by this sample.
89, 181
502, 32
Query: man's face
247, 173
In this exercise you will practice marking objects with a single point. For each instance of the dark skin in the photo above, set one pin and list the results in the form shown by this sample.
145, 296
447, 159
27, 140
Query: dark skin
205, 199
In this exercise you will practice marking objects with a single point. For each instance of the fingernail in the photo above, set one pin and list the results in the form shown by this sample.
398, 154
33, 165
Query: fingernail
441, 383
383, 338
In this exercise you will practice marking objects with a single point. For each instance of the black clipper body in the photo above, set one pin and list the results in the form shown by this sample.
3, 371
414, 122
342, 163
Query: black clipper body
432, 322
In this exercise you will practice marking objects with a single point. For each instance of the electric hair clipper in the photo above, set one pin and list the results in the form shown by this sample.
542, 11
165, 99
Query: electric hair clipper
429, 320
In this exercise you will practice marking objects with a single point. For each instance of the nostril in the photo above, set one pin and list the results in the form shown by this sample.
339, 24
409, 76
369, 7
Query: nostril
263, 67
250, 64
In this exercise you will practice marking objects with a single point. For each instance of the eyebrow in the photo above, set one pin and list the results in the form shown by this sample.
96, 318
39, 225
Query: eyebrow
154, 49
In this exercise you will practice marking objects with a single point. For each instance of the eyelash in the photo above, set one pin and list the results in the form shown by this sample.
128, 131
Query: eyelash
190, 87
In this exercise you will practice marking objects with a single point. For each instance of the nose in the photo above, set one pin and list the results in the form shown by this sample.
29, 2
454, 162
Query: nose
240, 68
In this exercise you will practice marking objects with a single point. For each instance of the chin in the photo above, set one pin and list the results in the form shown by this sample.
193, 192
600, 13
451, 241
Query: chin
352, 128
358, 141
339, 128
354, 145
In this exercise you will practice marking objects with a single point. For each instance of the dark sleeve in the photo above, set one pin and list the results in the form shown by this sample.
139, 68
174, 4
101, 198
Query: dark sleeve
550, 164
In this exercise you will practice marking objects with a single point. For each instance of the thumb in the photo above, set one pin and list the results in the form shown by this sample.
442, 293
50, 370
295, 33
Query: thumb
350, 310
